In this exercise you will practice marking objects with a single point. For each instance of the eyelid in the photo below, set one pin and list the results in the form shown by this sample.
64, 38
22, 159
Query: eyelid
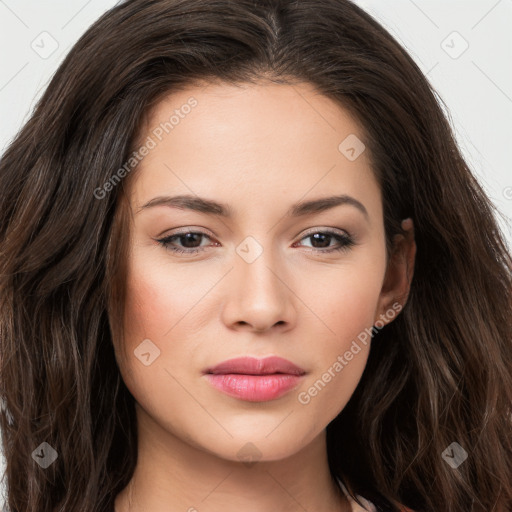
327, 229
186, 229
343, 236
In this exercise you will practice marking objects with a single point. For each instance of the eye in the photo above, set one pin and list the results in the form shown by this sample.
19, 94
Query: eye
189, 239
324, 239
189, 242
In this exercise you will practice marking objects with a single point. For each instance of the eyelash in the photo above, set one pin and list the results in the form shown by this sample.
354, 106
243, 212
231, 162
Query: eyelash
346, 242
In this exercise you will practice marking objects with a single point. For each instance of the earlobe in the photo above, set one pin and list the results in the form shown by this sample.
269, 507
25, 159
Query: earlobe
399, 273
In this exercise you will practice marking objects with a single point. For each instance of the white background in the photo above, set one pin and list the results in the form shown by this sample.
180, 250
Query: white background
476, 85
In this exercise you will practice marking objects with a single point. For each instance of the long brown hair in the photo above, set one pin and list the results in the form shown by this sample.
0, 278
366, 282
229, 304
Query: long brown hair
440, 373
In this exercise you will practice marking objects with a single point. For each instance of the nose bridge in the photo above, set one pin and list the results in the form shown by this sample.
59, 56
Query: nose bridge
256, 266
259, 295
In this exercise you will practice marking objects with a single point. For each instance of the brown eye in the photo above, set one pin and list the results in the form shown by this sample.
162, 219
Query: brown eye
321, 241
188, 240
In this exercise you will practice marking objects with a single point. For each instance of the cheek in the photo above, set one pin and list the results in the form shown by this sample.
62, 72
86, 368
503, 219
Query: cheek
346, 306
162, 305
345, 301
338, 361
154, 313
158, 297
151, 309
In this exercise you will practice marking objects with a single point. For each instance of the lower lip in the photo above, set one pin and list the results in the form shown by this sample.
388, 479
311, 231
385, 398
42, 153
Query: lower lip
254, 388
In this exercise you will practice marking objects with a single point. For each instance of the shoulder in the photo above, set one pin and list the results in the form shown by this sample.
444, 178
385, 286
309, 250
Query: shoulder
368, 506
355, 507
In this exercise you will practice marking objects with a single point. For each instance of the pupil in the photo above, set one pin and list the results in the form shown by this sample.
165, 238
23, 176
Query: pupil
189, 238
318, 236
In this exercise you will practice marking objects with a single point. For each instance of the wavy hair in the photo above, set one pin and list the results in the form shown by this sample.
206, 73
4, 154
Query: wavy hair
439, 373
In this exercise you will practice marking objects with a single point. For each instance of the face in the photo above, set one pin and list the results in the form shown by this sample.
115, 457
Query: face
278, 251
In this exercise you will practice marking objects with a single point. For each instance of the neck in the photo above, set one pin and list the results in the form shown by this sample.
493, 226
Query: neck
173, 476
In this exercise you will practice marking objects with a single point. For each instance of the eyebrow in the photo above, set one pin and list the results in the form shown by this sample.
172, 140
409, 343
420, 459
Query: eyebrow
202, 205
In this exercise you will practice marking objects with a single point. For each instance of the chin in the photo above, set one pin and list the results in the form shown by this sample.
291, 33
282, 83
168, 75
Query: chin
257, 446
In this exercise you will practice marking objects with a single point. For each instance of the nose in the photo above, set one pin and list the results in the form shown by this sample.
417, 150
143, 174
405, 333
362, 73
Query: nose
258, 296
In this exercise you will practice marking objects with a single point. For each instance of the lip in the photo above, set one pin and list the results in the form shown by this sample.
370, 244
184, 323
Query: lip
254, 366
255, 380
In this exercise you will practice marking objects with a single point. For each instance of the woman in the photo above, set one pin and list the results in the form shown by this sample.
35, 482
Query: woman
193, 170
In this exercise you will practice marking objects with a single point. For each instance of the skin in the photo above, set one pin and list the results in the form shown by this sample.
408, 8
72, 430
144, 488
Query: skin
258, 149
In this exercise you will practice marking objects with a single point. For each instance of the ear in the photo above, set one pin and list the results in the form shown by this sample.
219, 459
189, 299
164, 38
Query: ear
399, 272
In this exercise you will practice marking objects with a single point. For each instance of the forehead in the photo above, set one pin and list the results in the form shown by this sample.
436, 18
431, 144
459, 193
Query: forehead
252, 143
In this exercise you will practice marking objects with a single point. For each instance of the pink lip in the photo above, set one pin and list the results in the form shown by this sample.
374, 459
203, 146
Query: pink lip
255, 380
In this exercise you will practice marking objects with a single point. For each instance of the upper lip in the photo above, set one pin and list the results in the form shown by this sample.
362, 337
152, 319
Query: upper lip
255, 366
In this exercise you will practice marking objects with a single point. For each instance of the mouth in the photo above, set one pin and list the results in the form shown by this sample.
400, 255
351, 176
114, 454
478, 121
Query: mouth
255, 380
